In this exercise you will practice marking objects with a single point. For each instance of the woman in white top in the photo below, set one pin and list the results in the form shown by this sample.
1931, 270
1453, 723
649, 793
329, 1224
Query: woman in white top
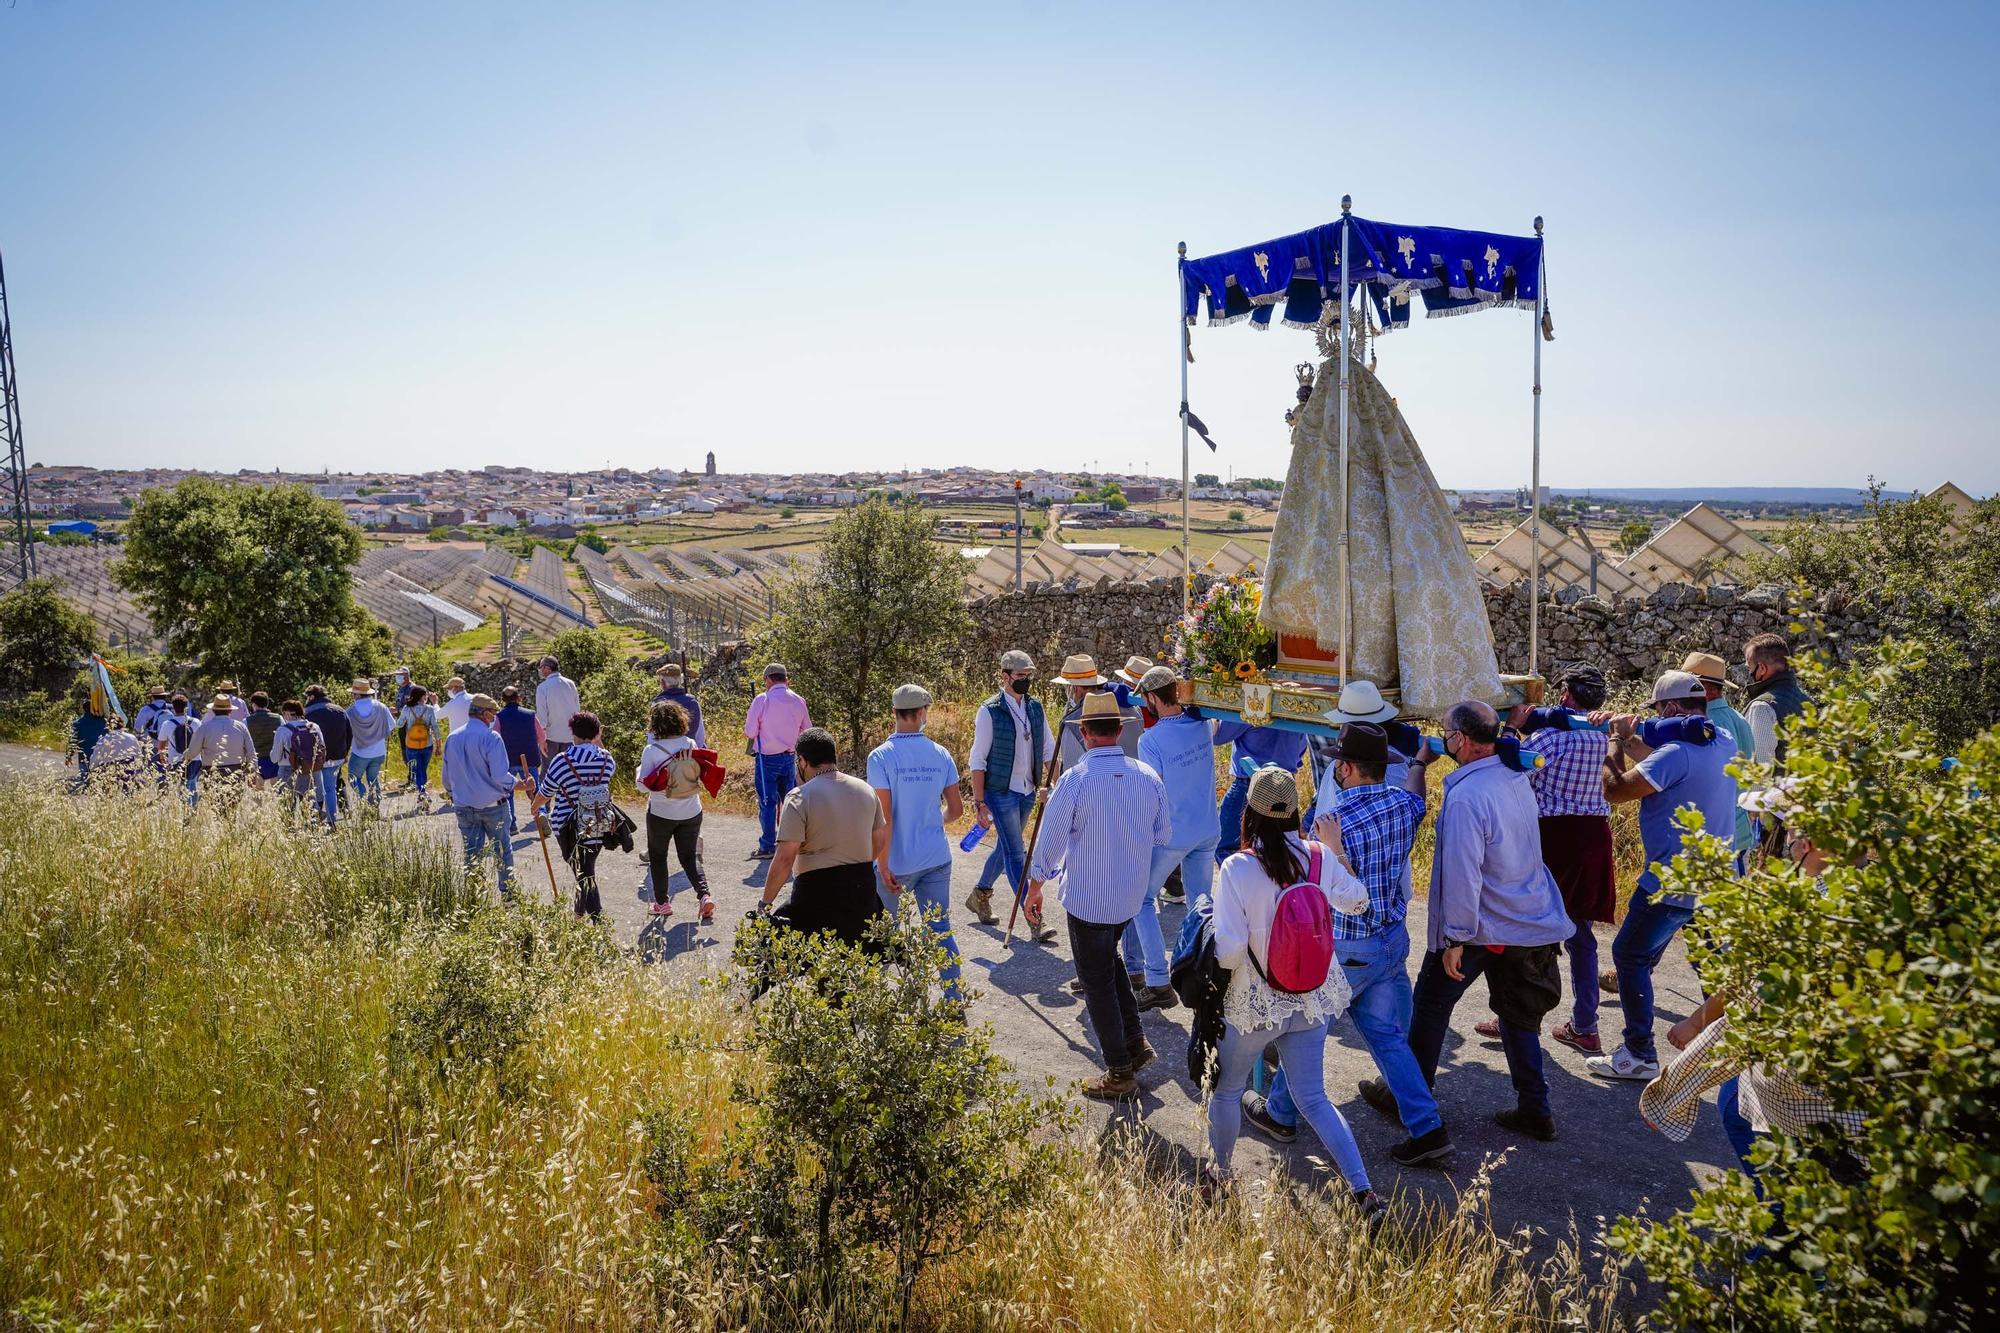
1254, 1013
673, 813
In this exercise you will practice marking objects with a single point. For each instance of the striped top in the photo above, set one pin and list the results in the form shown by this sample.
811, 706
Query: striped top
579, 775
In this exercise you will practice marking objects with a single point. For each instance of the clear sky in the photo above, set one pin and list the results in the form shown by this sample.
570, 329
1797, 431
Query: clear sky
832, 237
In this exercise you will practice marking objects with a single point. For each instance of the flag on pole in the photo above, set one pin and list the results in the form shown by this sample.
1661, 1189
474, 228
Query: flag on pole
1194, 422
103, 696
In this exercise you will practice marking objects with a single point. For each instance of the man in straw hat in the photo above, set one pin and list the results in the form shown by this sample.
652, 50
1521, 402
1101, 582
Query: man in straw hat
1710, 670
1180, 748
1375, 823
1494, 910
1104, 818
1678, 774
1012, 746
480, 786
222, 747
369, 723
1080, 679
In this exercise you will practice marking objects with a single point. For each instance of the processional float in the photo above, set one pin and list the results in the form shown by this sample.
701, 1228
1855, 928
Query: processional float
1379, 543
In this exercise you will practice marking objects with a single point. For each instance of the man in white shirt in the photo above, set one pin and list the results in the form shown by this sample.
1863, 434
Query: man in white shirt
457, 706
1012, 744
223, 748
556, 702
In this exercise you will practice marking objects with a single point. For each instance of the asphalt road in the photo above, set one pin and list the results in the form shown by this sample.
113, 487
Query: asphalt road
1604, 1162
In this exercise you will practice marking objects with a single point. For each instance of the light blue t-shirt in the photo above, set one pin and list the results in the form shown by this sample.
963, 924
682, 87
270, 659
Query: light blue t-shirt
915, 770
1684, 774
1182, 751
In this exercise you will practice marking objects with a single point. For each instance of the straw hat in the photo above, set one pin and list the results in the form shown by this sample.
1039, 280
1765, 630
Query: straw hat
361, 686
1134, 670
1360, 701
222, 703
1707, 666
1100, 705
1079, 669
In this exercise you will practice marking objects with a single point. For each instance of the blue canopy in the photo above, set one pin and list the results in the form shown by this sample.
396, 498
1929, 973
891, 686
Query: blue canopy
1452, 272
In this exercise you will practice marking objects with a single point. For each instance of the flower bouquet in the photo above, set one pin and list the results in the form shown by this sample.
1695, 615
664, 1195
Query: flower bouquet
1222, 637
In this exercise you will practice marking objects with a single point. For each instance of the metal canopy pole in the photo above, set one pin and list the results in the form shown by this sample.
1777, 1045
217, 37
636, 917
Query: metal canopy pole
1180, 323
1346, 206
1535, 479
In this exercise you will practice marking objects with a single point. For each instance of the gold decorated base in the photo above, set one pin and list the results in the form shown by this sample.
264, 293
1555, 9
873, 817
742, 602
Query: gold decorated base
1300, 704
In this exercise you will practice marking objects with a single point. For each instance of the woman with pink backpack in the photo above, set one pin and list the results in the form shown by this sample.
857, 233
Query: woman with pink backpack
1273, 923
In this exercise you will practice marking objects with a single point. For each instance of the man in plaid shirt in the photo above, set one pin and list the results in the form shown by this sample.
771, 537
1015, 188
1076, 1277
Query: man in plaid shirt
1576, 845
1375, 824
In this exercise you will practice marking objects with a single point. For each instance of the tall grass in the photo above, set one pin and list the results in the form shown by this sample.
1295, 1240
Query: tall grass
256, 1076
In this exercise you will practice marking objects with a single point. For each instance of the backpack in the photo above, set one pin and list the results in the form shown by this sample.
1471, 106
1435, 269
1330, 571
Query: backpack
596, 817
183, 733
417, 736
1300, 952
678, 778
305, 751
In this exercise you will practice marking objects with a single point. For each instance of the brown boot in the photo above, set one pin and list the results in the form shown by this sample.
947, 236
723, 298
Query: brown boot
980, 903
1111, 1088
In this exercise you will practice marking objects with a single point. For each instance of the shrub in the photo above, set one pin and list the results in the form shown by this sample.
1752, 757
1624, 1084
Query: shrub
882, 1136
582, 653
622, 698
1880, 985
1236, 516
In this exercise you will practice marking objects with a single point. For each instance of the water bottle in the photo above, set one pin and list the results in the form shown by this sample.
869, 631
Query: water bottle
972, 836
1434, 744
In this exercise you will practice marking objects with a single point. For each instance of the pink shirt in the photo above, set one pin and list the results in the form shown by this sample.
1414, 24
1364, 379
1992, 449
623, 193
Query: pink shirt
775, 719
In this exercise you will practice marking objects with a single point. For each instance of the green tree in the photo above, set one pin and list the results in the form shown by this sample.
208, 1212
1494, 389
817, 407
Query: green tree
253, 581
1634, 535
622, 698
591, 538
1879, 984
1207, 479
1930, 575
42, 638
1236, 516
787, 512
582, 653
884, 605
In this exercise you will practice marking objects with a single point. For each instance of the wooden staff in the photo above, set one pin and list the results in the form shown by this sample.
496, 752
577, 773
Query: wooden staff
542, 833
1027, 855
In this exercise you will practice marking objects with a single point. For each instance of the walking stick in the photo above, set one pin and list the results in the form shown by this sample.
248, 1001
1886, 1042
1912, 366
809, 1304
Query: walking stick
542, 833
1034, 836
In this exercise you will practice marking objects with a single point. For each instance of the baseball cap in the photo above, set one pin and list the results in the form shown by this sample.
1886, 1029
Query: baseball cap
1274, 793
1674, 685
910, 696
1157, 679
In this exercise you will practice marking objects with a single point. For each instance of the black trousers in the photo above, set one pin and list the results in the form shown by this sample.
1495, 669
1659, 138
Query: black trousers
1107, 991
582, 858
684, 836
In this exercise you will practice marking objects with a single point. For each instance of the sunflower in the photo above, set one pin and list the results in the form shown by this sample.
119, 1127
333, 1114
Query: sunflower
1245, 670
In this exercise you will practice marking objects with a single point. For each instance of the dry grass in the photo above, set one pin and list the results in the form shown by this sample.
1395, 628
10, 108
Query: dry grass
258, 1077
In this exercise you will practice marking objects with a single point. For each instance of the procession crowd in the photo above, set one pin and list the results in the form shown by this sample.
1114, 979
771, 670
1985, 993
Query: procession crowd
1296, 911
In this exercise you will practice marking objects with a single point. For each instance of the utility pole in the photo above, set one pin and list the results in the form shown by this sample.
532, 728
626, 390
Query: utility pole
20, 514
1017, 534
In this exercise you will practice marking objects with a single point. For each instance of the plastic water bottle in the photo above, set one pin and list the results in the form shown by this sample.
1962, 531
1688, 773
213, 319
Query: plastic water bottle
972, 836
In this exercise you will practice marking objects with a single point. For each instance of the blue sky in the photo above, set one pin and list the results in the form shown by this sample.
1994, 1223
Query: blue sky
373, 235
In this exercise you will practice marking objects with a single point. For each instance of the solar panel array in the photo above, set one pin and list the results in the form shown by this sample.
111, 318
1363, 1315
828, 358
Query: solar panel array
83, 572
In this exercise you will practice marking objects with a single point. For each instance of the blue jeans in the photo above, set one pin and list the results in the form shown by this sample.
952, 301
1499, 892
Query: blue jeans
483, 828
1437, 995
1642, 939
1582, 950
519, 770
1302, 1055
328, 779
1143, 935
776, 774
1377, 971
930, 890
1737, 1129
419, 762
1009, 809
366, 775
1233, 802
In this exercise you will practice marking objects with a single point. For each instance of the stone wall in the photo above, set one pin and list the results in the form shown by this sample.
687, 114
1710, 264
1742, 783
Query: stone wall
1110, 621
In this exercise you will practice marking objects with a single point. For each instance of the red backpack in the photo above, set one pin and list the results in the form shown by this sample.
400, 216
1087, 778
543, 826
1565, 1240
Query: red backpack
1300, 953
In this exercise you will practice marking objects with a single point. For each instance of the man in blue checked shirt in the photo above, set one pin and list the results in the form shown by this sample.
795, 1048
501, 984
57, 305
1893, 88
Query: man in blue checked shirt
1376, 824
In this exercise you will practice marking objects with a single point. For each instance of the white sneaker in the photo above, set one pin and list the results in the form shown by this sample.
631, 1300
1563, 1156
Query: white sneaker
1622, 1064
